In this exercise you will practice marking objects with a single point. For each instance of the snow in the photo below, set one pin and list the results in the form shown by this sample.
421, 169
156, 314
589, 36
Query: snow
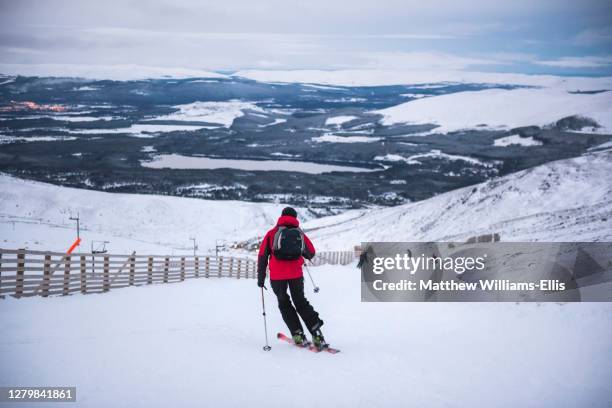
119, 72
142, 130
390, 157
277, 121
606, 145
338, 120
35, 215
279, 154
433, 154
222, 113
516, 140
13, 139
67, 118
565, 200
429, 78
199, 343
501, 109
323, 87
177, 161
413, 95
331, 138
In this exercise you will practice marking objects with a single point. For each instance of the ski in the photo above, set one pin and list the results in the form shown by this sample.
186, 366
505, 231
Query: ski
308, 345
330, 350
289, 340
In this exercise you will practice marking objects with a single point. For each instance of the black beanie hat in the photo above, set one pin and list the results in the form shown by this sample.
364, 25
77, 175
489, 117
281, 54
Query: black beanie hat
289, 211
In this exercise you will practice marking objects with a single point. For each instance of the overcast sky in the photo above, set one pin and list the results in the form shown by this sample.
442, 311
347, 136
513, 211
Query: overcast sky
532, 36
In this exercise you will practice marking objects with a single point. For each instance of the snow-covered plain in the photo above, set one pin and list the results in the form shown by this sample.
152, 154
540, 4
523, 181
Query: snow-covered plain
433, 154
177, 161
13, 139
222, 113
331, 138
565, 200
338, 120
141, 130
501, 109
516, 140
199, 344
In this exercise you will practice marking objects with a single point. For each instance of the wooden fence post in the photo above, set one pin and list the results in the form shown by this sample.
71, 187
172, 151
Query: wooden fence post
106, 275
66, 287
207, 267
46, 275
220, 265
132, 267
20, 272
150, 270
166, 266
182, 268
83, 275
197, 267
231, 266
1, 296
238, 268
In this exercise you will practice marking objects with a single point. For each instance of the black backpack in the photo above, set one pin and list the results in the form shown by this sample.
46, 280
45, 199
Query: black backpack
288, 243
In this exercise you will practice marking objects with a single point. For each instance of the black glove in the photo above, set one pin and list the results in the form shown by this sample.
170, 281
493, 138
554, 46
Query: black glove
261, 281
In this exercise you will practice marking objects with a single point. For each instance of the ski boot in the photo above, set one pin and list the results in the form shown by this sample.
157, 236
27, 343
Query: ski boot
319, 341
299, 338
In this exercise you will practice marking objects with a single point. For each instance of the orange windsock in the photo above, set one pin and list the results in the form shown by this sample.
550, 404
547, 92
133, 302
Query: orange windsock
74, 245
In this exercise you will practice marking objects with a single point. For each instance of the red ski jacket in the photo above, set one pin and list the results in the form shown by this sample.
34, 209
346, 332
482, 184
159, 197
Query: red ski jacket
281, 269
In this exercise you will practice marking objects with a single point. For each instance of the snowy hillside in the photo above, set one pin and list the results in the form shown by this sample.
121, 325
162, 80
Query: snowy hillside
119, 72
502, 109
36, 216
566, 200
372, 77
563, 200
199, 344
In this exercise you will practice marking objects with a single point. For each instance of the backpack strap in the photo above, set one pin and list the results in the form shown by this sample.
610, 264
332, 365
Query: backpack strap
277, 236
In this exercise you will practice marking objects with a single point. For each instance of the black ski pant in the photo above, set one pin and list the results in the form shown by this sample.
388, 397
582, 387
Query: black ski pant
304, 308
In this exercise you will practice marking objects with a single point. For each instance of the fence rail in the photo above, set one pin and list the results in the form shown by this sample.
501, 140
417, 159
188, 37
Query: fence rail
333, 258
31, 273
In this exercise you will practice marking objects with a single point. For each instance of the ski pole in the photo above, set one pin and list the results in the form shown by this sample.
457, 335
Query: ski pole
316, 288
263, 306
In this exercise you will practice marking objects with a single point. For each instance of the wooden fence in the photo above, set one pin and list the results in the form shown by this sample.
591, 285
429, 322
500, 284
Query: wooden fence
31, 273
333, 258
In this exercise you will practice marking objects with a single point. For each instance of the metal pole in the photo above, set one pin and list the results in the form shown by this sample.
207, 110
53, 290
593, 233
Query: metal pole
195, 246
316, 288
263, 305
77, 219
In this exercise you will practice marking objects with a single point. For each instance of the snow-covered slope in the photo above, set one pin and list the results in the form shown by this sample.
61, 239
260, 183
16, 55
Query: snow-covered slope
371, 77
502, 109
36, 216
566, 200
120, 72
199, 344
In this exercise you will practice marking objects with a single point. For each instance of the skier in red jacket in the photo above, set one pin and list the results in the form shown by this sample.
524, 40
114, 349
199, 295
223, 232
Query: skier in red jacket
286, 246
